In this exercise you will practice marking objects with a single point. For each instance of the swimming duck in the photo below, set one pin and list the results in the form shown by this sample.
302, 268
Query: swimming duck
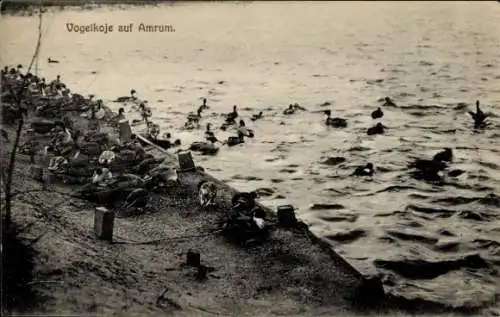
366, 170
435, 165
244, 130
377, 114
388, 102
209, 135
296, 106
257, 116
379, 128
444, 156
204, 105
195, 117
290, 110
205, 148
230, 117
479, 116
127, 98
235, 140
335, 122
50, 60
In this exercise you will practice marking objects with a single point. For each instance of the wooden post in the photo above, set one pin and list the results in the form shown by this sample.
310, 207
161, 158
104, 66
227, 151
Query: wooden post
193, 258
104, 223
186, 162
286, 216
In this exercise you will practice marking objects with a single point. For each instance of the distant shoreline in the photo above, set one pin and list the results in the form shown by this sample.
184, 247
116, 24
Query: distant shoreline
28, 6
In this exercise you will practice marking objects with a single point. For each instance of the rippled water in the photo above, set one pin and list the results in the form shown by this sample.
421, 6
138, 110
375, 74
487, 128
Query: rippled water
430, 57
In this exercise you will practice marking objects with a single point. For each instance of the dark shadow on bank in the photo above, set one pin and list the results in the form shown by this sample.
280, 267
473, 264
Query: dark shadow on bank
17, 271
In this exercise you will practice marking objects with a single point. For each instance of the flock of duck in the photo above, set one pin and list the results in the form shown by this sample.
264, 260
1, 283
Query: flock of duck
428, 169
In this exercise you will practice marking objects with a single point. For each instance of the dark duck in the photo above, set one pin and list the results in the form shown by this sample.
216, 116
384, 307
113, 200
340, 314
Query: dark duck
377, 114
154, 131
206, 148
366, 170
388, 102
290, 110
479, 116
256, 117
127, 98
52, 61
209, 134
335, 122
379, 128
230, 117
235, 140
429, 169
195, 117
204, 105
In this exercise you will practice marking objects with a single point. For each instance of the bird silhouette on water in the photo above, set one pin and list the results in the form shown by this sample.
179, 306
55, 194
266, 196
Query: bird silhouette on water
429, 169
377, 114
479, 116
388, 102
335, 122
379, 128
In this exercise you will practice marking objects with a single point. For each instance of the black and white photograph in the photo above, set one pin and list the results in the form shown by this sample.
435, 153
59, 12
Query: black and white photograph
250, 158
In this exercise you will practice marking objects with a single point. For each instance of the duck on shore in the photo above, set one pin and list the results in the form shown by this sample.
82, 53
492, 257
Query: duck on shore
377, 114
127, 98
379, 128
256, 117
388, 102
145, 112
479, 116
50, 60
334, 122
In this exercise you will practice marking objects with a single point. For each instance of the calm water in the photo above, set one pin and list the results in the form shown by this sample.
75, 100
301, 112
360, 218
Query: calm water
428, 56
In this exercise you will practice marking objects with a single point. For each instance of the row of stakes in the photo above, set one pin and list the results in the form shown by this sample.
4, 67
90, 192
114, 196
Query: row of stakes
104, 219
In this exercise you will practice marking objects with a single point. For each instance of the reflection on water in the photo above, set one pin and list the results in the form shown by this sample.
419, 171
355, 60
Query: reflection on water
431, 58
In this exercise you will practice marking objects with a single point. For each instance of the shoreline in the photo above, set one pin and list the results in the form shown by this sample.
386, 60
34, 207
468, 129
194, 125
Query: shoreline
14, 7
294, 270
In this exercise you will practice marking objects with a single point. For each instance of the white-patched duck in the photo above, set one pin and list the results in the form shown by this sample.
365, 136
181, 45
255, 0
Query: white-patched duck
244, 130
366, 170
